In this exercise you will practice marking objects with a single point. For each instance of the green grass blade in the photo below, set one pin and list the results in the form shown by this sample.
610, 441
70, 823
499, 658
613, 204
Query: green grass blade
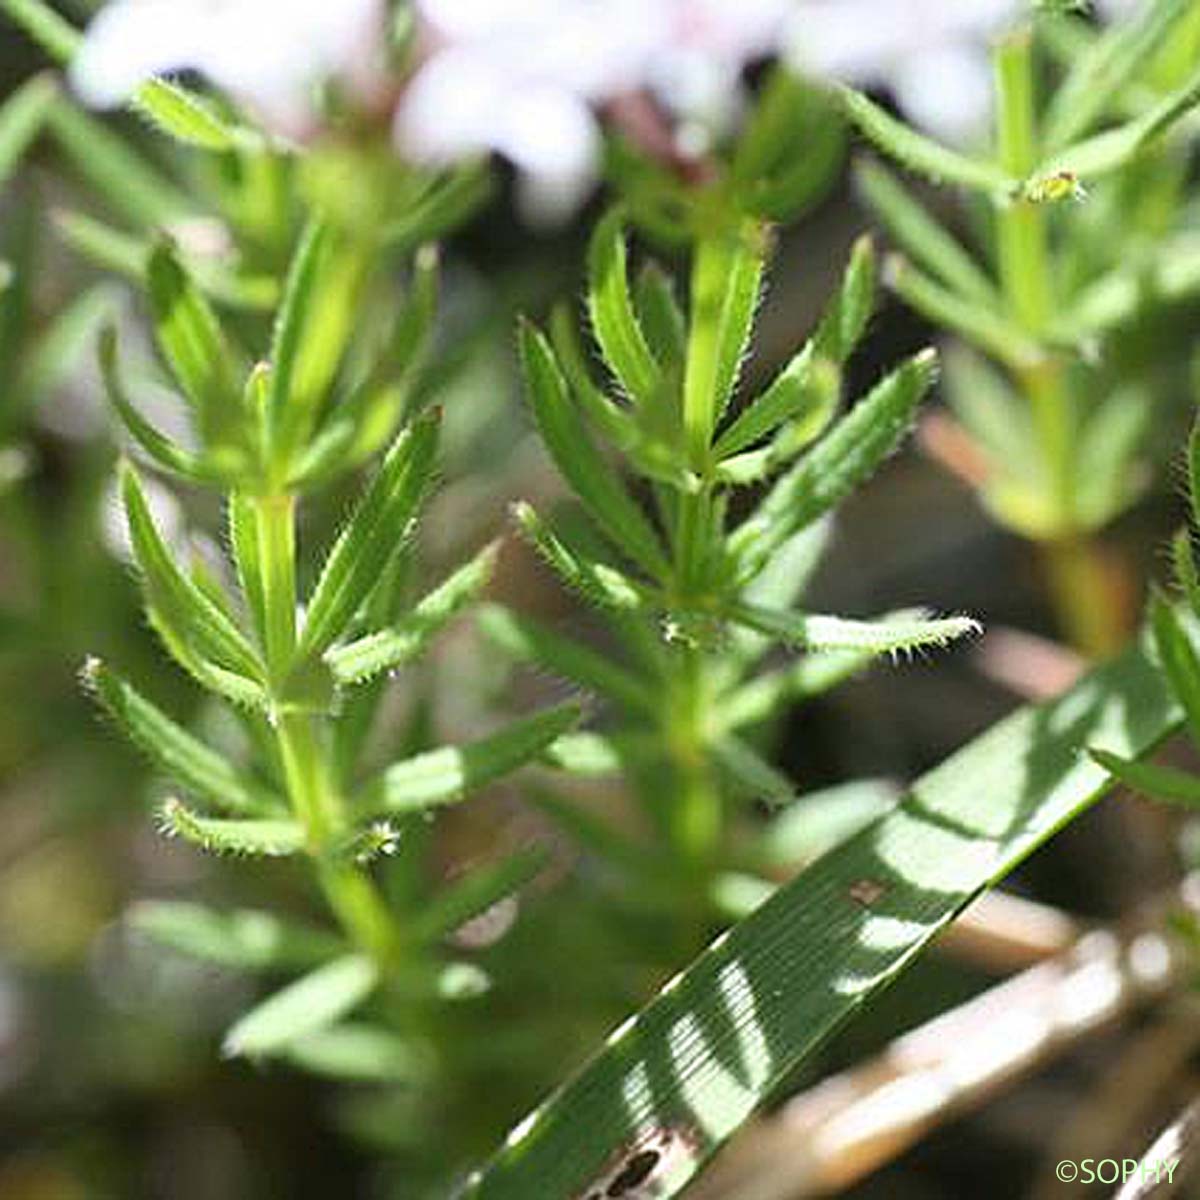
314, 1002
721, 1038
374, 533
446, 775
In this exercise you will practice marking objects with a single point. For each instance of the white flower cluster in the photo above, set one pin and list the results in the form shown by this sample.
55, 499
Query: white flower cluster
531, 79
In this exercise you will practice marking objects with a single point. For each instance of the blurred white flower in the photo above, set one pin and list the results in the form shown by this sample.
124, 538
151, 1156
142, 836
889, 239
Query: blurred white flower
269, 54
525, 77
930, 53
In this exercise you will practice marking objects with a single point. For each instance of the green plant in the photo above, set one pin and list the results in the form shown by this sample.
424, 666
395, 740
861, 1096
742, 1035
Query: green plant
1079, 227
695, 598
306, 689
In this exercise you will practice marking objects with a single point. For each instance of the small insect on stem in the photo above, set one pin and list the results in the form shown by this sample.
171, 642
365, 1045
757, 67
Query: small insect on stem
1054, 188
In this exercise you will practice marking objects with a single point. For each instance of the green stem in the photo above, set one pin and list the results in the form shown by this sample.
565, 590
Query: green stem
1088, 596
275, 529
697, 815
1088, 606
307, 760
1025, 270
708, 285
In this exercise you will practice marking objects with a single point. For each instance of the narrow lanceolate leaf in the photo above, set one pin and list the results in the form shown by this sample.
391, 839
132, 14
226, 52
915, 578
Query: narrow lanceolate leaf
172, 749
726, 283
751, 774
314, 324
900, 633
804, 393
683, 1075
192, 342
920, 154
390, 648
360, 1054
1100, 72
244, 939
1193, 468
56, 35
1109, 151
603, 585
1148, 779
187, 118
160, 449
476, 891
314, 1002
659, 314
986, 326
293, 313
852, 450
1179, 659
1183, 560
588, 754
812, 675
375, 531
268, 838
845, 321
21, 117
611, 310
247, 557
173, 109
920, 235
654, 457
179, 605
448, 774
107, 161
593, 480
530, 642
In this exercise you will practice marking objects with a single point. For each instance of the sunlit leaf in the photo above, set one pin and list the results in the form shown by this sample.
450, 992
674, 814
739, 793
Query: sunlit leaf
314, 1002
373, 534
446, 775
688, 1070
